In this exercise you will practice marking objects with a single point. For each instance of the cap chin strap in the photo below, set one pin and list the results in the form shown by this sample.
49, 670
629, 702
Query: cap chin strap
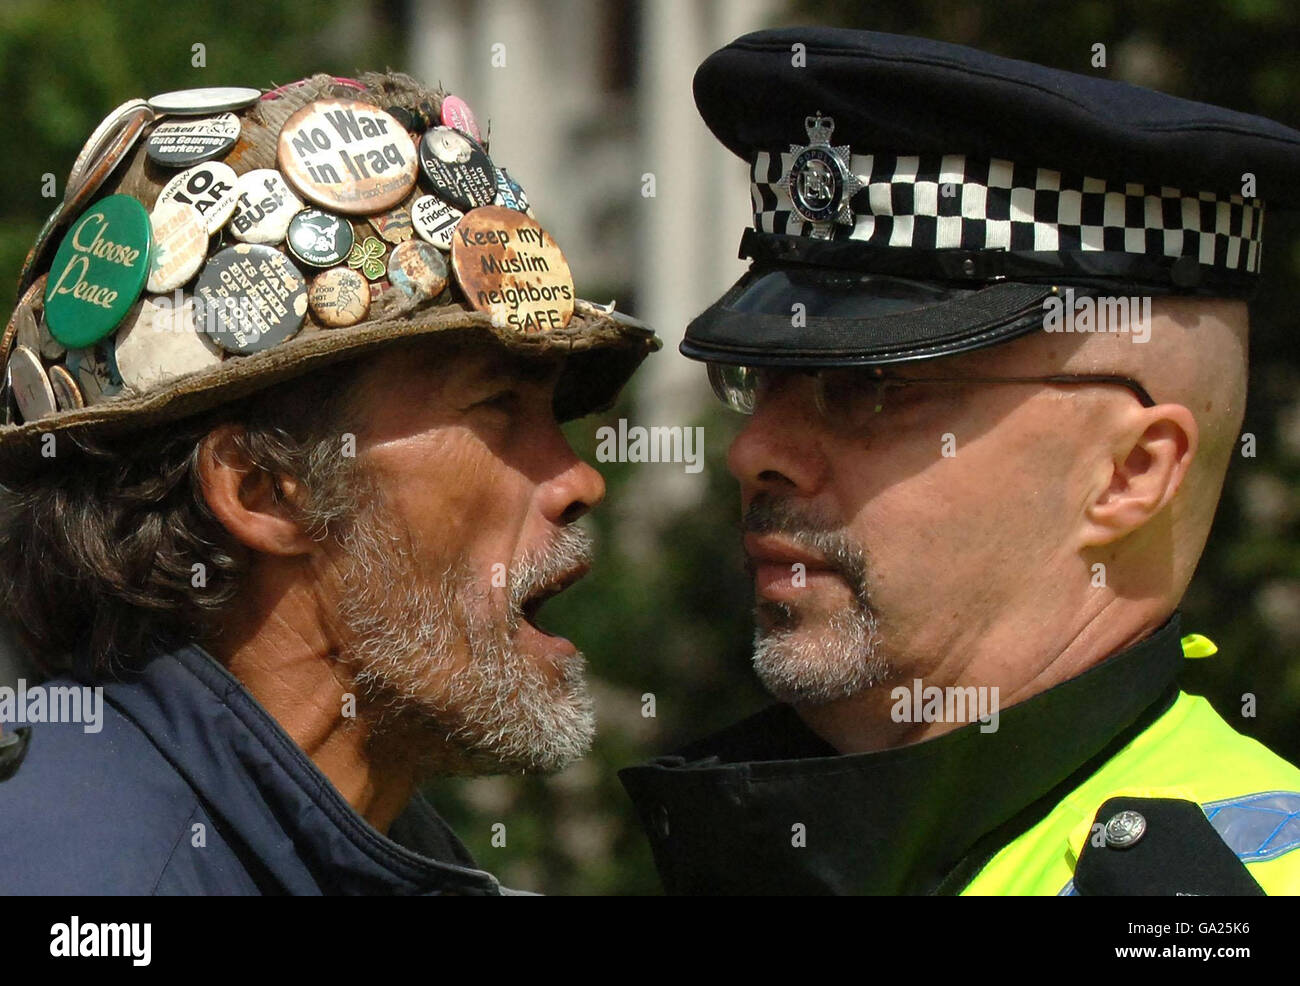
1114, 272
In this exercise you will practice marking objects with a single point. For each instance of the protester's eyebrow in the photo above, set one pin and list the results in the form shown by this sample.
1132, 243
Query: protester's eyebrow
519, 368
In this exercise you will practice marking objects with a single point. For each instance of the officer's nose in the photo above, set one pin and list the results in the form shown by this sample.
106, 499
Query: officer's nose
780, 449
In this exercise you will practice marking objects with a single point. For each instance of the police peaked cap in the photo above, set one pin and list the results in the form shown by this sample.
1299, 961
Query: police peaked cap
915, 199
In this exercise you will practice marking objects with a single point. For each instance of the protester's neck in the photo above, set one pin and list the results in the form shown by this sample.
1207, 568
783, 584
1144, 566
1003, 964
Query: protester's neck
287, 660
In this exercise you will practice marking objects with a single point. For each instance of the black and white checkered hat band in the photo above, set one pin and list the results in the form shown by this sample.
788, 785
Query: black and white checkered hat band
951, 201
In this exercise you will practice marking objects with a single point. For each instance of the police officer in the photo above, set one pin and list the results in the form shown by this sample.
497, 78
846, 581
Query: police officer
993, 343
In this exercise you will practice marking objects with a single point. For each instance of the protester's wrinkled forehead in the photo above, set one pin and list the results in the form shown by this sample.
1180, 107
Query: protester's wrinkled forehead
445, 373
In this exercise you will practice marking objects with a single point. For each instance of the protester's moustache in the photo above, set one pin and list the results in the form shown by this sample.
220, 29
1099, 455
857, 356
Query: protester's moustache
540, 571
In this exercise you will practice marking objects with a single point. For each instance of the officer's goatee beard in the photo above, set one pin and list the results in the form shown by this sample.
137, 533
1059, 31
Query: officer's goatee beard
805, 664
499, 712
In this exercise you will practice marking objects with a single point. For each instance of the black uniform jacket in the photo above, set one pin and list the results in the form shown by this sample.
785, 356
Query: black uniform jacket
724, 815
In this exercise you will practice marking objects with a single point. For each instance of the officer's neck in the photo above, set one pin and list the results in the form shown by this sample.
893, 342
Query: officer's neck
1020, 659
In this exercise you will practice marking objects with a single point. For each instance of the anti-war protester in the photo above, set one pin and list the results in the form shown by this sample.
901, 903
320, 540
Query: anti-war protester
284, 476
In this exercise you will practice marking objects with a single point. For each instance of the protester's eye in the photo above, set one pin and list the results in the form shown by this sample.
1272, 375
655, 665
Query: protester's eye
502, 400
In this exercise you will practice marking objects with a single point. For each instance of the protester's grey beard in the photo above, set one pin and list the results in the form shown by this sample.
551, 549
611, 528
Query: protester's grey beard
803, 664
498, 714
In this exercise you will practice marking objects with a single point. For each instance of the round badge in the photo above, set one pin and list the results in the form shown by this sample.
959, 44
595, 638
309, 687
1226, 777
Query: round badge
67, 395
37, 253
95, 371
8, 412
101, 154
394, 225
22, 325
208, 188
368, 257
318, 239
24, 322
32, 391
509, 192
418, 269
339, 297
457, 115
33, 334
347, 156
159, 342
434, 220
98, 272
180, 242
264, 205
197, 102
509, 266
181, 143
249, 297
459, 170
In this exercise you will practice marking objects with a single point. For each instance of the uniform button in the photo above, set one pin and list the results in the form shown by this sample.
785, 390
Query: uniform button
968, 267
1124, 829
659, 819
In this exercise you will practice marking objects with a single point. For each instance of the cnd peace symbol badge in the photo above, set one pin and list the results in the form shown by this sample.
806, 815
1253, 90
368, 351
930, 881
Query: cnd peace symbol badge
820, 181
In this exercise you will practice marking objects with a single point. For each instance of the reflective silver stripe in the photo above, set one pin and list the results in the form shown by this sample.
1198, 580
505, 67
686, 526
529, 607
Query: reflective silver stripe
1258, 826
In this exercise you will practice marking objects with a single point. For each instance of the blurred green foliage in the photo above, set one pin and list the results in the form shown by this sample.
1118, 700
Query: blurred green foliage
666, 612
66, 63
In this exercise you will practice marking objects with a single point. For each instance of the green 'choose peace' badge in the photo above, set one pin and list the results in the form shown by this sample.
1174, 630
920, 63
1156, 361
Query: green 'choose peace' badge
99, 271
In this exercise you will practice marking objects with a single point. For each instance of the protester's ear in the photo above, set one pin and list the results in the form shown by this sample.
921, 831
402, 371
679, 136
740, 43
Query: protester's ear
252, 504
1148, 464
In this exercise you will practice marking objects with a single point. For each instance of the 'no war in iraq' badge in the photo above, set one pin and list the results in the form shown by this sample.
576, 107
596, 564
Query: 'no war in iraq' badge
348, 156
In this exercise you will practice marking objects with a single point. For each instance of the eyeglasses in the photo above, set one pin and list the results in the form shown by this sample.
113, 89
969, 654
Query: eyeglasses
849, 398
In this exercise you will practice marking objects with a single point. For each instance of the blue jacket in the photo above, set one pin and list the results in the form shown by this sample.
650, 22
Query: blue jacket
191, 787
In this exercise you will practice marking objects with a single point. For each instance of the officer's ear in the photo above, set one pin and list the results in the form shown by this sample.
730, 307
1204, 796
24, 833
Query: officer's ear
253, 505
1150, 457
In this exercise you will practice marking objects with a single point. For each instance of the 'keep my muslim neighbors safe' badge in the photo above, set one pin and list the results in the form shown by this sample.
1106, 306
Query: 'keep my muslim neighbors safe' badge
99, 271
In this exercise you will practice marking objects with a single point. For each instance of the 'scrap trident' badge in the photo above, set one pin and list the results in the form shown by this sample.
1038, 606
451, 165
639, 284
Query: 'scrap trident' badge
348, 156
509, 266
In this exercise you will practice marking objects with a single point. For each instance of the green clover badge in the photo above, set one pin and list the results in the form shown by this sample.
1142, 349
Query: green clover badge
368, 257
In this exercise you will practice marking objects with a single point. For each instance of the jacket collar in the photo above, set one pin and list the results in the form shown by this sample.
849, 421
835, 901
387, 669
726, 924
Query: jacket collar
284, 817
798, 818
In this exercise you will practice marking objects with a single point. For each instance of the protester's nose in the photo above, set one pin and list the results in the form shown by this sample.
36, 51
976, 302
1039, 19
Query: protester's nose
574, 486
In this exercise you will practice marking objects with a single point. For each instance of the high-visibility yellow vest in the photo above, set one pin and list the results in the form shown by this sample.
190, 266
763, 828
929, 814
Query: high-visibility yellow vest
1249, 794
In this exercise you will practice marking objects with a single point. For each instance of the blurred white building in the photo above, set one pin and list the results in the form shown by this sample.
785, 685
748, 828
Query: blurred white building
590, 104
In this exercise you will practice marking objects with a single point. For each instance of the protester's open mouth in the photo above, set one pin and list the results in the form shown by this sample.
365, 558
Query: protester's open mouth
542, 594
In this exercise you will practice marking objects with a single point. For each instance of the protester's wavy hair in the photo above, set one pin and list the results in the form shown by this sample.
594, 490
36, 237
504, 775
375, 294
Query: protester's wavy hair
98, 555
